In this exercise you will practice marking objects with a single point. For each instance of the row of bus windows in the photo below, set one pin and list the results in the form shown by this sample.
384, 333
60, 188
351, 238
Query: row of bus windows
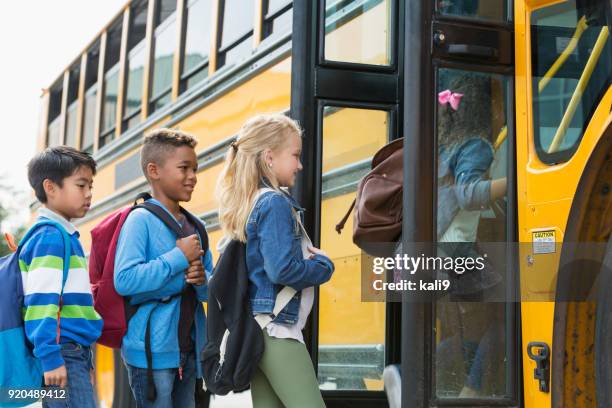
234, 41
371, 35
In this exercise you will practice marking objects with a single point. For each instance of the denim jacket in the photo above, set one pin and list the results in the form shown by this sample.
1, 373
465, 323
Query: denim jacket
274, 256
461, 179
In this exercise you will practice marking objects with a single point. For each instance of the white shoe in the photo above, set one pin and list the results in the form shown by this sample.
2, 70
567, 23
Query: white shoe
393, 385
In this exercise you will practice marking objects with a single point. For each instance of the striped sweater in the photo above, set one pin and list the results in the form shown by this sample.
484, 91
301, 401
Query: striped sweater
41, 262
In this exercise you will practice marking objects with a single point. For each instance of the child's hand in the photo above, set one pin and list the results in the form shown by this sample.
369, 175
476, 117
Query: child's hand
59, 376
316, 251
92, 376
191, 247
195, 273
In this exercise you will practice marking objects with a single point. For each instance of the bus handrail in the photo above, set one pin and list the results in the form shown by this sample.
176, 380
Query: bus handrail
552, 71
582, 83
571, 46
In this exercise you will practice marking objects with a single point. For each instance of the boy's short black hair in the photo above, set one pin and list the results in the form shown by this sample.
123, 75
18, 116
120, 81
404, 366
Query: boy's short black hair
159, 143
56, 164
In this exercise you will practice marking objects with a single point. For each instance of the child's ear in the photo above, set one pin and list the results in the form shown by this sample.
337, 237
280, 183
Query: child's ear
152, 171
267, 156
50, 187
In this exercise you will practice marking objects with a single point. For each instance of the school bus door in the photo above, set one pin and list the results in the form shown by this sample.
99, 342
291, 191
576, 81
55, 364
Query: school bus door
460, 350
346, 72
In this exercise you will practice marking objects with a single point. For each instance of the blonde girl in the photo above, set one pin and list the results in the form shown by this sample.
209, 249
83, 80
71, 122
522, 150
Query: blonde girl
256, 209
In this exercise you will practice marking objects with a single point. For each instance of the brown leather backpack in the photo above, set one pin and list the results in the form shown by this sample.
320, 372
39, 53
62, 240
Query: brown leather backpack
378, 213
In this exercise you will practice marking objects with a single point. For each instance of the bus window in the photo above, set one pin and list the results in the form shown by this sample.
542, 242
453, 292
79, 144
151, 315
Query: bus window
278, 17
197, 43
351, 332
71, 124
164, 45
364, 24
89, 119
111, 91
236, 36
72, 103
492, 10
571, 69
470, 343
133, 90
135, 66
91, 93
111, 84
55, 117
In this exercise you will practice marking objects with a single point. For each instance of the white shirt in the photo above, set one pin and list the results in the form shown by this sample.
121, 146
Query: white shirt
294, 331
53, 216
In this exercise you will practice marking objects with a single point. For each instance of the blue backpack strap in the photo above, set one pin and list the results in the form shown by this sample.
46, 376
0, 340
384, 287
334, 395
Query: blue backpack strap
67, 250
67, 245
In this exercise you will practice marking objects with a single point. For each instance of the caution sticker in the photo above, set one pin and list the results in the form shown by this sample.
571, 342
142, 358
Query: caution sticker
544, 242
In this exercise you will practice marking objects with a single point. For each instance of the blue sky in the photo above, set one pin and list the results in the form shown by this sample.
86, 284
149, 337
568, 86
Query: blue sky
39, 39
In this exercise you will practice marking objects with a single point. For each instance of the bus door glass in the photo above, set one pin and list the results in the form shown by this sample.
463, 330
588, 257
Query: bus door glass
472, 173
351, 332
473, 333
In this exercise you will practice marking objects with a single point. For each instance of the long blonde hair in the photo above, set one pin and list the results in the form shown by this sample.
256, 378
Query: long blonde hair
245, 166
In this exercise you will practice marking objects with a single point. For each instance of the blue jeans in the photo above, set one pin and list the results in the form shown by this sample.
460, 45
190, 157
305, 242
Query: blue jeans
171, 390
80, 391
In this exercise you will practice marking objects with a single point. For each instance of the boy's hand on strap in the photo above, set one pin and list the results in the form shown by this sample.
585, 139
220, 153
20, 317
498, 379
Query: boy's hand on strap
190, 246
195, 273
58, 376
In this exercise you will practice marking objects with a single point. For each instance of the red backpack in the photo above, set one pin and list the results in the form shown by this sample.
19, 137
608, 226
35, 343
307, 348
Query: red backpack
114, 308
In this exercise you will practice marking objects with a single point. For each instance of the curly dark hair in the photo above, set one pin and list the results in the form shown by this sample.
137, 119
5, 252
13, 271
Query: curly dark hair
160, 142
473, 117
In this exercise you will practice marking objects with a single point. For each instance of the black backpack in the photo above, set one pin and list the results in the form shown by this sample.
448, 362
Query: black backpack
235, 341
234, 338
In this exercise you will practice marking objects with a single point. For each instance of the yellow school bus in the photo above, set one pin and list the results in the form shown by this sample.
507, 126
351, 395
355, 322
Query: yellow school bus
358, 74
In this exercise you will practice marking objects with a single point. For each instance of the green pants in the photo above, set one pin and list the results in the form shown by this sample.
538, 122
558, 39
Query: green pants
285, 376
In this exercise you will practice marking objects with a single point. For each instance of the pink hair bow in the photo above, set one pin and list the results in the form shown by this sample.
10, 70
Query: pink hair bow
451, 98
